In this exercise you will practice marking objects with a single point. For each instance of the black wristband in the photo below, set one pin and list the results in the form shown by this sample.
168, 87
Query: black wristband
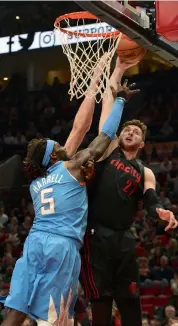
151, 202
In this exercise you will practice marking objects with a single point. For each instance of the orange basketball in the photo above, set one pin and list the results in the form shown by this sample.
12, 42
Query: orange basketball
129, 51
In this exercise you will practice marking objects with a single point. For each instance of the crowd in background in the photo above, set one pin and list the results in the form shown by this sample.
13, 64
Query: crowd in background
49, 113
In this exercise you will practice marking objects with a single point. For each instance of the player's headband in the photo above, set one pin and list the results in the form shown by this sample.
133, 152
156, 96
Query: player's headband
49, 149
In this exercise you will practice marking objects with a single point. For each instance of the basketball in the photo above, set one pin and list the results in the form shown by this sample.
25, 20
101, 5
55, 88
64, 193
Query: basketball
129, 51
112, 41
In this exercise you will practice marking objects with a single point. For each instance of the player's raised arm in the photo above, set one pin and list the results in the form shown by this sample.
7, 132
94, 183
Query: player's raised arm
84, 116
100, 143
108, 101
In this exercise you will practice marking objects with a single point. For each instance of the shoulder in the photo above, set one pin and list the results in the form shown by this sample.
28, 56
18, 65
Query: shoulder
5, 215
140, 166
148, 173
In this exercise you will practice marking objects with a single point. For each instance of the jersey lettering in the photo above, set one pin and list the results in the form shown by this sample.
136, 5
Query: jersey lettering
130, 170
119, 182
47, 207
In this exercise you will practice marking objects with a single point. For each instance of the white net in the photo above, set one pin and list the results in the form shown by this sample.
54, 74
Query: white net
89, 57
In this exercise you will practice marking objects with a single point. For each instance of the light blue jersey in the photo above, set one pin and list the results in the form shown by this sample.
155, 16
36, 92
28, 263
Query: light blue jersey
60, 203
44, 283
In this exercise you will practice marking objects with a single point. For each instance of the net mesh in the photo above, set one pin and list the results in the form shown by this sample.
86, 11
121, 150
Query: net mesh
88, 63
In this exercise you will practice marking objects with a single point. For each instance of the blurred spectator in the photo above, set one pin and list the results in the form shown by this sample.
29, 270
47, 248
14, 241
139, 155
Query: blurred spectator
172, 248
170, 315
170, 312
25, 227
144, 269
164, 201
166, 165
174, 284
173, 322
20, 139
13, 226
174, 288
155, 259
145, 322
157, 321
49, 109
174, 170
164, 272
31, 130
9, 139
3, 217
174, 186
58, 131
166, 130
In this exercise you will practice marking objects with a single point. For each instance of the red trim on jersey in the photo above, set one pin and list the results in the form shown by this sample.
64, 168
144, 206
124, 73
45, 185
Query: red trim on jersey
84, 280
89, 271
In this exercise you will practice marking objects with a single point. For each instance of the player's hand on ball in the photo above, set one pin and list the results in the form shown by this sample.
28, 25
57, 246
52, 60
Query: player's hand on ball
169, 217
125, 65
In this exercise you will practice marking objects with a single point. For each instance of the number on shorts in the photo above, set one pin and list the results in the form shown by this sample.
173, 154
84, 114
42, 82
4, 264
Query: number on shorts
47, 201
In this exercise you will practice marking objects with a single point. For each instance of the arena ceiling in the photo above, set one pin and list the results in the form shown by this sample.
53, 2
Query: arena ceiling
34, 16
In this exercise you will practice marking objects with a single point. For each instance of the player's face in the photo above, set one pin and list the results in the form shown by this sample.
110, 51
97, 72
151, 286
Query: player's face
131, 138
61, 153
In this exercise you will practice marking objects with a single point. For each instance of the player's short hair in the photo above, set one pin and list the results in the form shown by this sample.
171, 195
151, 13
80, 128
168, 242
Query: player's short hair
33, 161
137, 123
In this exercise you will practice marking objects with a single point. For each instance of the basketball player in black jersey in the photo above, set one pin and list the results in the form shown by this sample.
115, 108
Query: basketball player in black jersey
109, 267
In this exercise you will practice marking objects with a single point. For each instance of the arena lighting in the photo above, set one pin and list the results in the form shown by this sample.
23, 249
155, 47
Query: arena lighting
17, 17
5, 78
48, 39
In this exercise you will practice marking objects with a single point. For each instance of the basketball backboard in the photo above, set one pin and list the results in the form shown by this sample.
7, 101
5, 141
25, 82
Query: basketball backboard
137, 22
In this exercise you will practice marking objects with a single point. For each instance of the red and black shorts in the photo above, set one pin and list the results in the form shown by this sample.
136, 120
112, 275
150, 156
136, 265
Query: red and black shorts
109, 263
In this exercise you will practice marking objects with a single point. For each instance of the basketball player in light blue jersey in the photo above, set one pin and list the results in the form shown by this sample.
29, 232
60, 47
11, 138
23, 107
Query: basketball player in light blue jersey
45, 279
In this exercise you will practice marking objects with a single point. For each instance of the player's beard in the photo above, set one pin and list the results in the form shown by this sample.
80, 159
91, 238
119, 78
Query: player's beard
128, 148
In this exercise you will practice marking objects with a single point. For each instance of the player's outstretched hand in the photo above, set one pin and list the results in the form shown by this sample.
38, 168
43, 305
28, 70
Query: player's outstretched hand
169, 217
124, 90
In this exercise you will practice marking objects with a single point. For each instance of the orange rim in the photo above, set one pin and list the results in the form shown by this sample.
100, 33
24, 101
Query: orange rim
82, 15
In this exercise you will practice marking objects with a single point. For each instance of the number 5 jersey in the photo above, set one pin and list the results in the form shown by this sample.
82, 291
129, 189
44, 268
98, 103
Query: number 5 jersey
60, 203
115, 191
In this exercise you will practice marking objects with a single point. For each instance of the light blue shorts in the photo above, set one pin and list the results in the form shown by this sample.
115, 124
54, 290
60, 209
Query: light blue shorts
44, 283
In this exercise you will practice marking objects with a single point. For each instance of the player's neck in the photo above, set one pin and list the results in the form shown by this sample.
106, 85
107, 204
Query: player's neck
130, 155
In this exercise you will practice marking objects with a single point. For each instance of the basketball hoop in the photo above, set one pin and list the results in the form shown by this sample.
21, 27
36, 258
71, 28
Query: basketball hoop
84, 47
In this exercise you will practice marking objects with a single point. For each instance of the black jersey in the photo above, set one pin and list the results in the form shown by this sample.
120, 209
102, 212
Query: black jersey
115, 191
